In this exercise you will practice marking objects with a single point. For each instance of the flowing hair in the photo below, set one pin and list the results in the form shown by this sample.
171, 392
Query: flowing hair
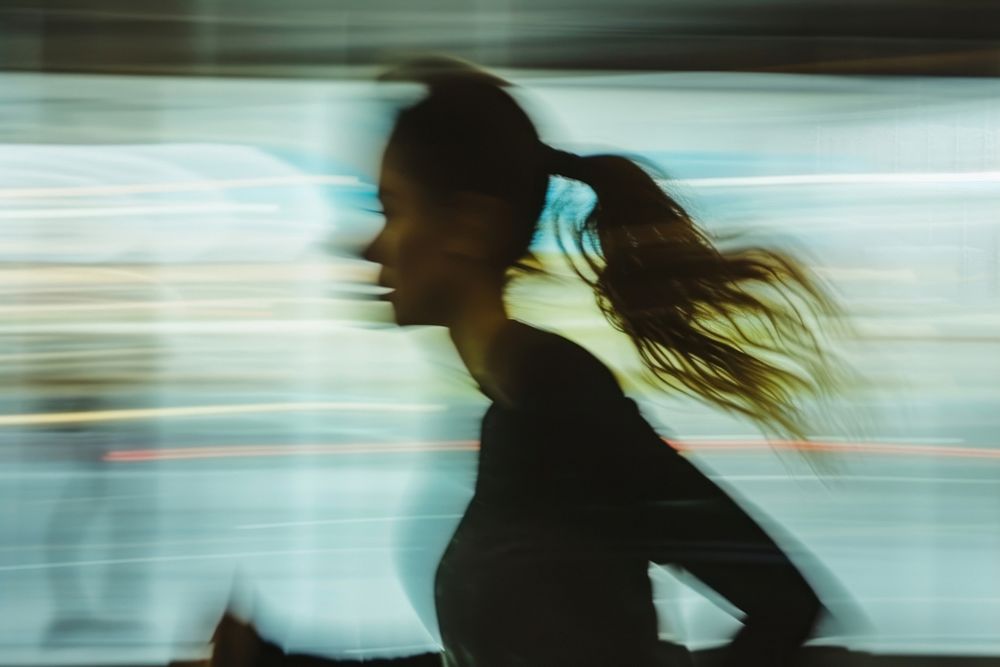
736, 328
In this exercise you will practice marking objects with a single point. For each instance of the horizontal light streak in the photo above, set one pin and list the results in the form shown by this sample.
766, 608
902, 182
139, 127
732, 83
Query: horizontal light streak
127, 211
194, 557
228, 326
179, 186
238, 451
46, 418
912, 178
353, 181
369, 519
255, 303
78, 355
341, 270
845, 448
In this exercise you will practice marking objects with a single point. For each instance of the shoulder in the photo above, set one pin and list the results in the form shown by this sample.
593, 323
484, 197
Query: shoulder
544, 370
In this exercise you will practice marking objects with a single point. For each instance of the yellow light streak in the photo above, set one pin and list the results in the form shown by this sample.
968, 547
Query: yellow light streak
47, 418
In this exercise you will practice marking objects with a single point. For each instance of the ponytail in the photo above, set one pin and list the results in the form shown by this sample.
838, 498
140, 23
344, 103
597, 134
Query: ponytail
734, 328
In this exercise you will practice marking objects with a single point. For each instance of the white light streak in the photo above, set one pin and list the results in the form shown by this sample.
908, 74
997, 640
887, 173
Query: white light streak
127, 211
180, 186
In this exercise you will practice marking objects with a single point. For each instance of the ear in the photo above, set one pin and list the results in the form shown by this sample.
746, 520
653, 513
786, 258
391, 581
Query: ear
478, 225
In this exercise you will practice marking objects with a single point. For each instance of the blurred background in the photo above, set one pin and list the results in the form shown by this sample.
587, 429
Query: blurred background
202, 404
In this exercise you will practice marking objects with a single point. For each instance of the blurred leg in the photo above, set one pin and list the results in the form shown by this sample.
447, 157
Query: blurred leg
81, 502
131, 512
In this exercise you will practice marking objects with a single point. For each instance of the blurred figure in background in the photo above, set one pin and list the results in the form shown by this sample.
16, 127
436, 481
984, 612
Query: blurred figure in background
576, 494
89, 389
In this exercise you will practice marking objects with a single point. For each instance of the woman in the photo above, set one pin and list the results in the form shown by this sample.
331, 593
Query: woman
576, 493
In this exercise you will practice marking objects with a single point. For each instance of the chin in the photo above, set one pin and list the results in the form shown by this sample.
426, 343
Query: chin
404, 317
410, 317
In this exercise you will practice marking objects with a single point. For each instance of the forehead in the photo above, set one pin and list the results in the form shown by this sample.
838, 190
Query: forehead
395, 184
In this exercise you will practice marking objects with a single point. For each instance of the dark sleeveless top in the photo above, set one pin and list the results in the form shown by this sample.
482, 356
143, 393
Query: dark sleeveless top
549, 563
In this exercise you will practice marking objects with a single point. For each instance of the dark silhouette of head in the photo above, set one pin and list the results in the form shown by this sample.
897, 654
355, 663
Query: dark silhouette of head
463, 183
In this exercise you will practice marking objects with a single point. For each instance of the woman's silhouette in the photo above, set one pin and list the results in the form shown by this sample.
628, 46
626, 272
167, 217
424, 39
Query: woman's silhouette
576, 494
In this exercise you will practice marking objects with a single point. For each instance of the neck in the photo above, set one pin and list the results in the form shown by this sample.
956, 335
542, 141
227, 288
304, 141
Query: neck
475, 328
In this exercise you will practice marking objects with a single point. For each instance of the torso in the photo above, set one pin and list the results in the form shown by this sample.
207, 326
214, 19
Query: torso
538, 571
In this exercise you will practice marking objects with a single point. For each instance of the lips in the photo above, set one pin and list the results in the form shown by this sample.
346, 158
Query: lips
384, 284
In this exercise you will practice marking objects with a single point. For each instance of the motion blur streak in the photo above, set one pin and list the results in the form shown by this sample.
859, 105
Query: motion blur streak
183, 186
841, 179
51, 214
203, 410
844, 448
237, 451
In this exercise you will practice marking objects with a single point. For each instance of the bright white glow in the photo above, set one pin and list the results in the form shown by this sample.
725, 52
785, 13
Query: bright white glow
160, 203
